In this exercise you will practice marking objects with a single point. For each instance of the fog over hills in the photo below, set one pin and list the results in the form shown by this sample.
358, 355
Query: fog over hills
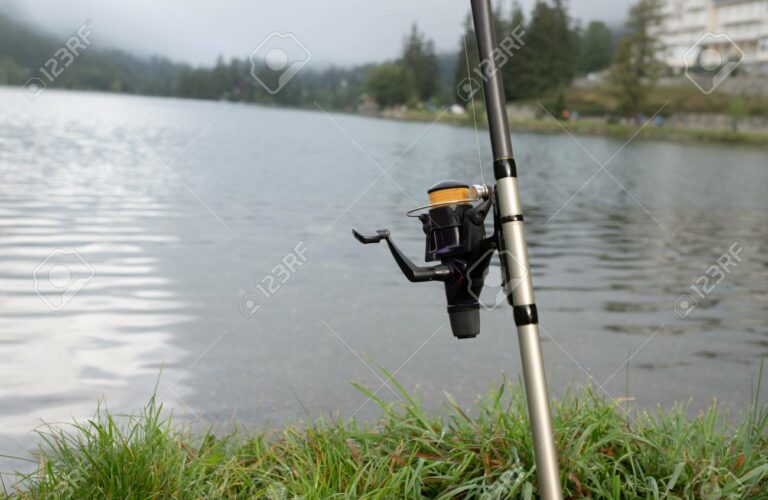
345, 32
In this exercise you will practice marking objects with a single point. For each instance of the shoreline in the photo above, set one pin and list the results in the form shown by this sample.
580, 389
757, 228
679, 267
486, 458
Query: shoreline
592, 127
585, 126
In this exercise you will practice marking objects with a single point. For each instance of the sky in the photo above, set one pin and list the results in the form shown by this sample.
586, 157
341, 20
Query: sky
343, 32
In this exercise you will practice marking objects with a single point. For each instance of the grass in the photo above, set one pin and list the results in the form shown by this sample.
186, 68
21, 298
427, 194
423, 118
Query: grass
604, 453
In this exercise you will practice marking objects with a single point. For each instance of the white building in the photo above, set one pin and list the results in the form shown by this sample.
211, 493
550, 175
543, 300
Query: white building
740, 28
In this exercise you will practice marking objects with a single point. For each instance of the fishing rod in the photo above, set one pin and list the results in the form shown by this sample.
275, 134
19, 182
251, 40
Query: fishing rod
454, 224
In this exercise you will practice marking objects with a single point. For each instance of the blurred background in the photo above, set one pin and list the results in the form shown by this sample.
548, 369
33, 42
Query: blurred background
178, 182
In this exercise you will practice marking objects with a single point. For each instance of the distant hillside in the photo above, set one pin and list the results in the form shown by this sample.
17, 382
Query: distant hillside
24, 49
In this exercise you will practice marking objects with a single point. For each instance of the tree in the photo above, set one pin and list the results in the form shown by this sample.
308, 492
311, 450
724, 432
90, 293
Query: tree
636, 67
737, 110
10, 72
390, 84
420, 59
596, 48
515, 69
544, 60
550, 50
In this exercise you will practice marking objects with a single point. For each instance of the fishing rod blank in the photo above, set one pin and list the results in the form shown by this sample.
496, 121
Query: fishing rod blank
454, 225
514, 256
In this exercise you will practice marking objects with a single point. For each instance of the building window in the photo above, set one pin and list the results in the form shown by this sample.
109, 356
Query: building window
764, 44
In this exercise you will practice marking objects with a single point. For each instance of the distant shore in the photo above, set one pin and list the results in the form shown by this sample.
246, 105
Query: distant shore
590, 126
583, 126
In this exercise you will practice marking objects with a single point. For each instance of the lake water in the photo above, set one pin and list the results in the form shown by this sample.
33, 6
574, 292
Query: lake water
140, 240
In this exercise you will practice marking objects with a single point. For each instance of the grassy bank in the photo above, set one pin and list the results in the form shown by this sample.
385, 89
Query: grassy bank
681, 98
596, 127
593, 127
603, 454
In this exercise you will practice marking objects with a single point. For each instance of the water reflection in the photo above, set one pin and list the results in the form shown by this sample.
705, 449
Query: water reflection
181, 208
72, 208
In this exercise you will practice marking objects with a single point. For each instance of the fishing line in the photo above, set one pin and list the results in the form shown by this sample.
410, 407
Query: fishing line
474, 116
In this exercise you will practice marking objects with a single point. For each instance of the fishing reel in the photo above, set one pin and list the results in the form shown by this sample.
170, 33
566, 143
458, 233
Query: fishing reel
454, 225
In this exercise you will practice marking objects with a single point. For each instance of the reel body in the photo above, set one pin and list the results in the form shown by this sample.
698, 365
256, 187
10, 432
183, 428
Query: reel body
454, 226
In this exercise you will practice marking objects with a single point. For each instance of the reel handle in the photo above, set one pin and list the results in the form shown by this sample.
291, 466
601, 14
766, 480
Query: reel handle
414, 273
381, 234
